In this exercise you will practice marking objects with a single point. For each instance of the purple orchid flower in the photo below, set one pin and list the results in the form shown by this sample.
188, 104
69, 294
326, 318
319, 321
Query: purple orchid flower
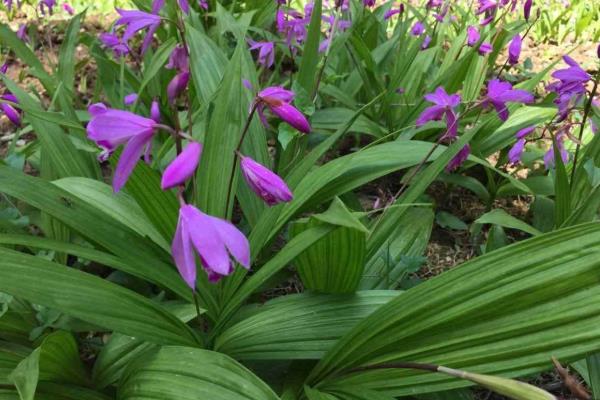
185, 6
516, 151
135, 21
390, 13
155, 112
68, 9
277, 99
179, 59
183, 167
110, 128
215, 240
113, 42
570, 87
8, 4
417, 29
47, 5
22, 33
485, 48
549, 160
266, 52
527, 9
433, 3
203, 4
177, 85
266, 184
459, 159
444, 106
514, 50
130, 99
369, 3
9, 110
426, 42
472, 36
4, 68
499, 93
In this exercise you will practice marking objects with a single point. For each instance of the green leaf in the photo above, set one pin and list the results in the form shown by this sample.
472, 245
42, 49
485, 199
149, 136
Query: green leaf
97, 227
447, 220
468, 318
265, 332
562, 200
159, 59
502, 218
184, 373
25, 376
218, 159
119, 206
90, 299
387, 267
307, 74
66, 55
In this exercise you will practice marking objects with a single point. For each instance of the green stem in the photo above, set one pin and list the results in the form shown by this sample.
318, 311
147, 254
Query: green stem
122, 80
586, 113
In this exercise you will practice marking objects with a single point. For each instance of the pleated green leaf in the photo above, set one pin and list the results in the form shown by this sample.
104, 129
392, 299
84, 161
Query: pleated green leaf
90, 299
184, 373
505, 313
302, 326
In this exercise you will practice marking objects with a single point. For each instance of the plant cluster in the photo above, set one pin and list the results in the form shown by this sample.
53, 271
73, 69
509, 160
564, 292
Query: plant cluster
223, 129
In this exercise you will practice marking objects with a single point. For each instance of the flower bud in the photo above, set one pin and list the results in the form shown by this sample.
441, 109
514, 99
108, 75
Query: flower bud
182, 167
266, 184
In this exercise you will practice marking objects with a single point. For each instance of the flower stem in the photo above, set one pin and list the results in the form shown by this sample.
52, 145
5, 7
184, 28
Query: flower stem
586, 113
237, 152
326, 56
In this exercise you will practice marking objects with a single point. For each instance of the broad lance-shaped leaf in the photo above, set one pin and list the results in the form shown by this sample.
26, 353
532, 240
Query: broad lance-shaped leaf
185, 373
505, 313
319, 320
90, 299
336, 262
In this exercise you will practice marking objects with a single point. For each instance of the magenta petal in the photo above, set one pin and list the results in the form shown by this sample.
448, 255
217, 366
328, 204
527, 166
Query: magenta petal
433, 113
183, 167
292, 116
276, 93
11, 113
207, 241
236, 242
514, 154
266, 184
183, 254
129, 158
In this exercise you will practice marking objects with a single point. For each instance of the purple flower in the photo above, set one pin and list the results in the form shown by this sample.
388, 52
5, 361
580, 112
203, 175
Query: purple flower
47, 4
426, 42
179, 59
130, 99
177, 85
570, 87
514, 50
203, 4
215, 240
155, 112
485, 48
472, 36
433, 3
9, 4
549, 160
110, 128
68, 9
444, 107
266, 184
266, 52
184, 5
390, 13
499, 93
369, 3
277, 99
135, 21
113, 42
4, 68
183, 167
527, 9
22, 33
516, 151
9, 110
417, 29
459, 159
487, 6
